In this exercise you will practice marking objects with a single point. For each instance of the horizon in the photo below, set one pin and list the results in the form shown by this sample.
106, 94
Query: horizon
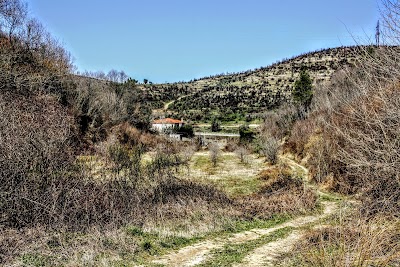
179, 41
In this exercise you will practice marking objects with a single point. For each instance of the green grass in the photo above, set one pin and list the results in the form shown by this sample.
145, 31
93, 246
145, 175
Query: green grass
330, 196
202, 163
237, 186
35, 259
235, 253
151, 243
245, 225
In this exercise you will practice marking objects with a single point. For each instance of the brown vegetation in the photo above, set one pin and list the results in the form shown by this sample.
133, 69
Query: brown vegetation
282, 192
350, 242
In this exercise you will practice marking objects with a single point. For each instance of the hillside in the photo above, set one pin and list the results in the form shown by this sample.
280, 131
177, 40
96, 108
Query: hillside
232, 96
83, 182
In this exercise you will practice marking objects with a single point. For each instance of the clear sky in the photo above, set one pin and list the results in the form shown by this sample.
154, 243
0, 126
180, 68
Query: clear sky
175, 40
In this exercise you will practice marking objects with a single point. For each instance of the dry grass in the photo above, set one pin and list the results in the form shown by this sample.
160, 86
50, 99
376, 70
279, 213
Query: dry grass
230, 175
281, 192
349, 240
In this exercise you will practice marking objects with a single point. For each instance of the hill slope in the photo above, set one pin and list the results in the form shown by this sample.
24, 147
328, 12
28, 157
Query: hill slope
254, 91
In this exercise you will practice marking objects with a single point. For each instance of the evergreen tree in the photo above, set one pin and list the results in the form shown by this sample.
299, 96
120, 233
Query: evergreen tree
302, 93
246, 134
215, 125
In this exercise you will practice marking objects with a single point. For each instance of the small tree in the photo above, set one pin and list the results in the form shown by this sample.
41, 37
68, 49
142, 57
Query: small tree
268, 147
214, 150
186, 130
302, 92
242, 153
215, 125
246, 134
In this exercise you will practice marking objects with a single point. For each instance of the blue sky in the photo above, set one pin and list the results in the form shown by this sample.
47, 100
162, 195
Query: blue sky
175, 40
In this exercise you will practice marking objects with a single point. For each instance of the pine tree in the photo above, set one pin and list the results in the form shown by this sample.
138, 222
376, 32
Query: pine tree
302, 92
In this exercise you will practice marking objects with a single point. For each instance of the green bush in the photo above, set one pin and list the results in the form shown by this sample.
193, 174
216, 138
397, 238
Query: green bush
302, 92
246, 134
186, 130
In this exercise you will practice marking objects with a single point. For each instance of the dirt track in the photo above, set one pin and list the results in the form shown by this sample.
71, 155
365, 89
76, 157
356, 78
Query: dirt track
198, 253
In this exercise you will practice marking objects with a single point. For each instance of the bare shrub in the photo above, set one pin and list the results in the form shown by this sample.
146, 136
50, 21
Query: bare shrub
242, 153
34, 149
358, 147
301, 133
354, 242
278, 123
281, 193
187, 151
268, 147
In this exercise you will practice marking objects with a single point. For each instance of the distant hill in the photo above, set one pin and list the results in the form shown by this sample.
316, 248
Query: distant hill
232, 96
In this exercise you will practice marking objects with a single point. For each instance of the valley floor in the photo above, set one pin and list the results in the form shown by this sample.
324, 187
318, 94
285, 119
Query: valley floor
255, 247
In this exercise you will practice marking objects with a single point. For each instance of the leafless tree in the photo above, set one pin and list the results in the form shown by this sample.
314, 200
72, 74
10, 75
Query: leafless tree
13, 14
269, 147
391, 20
242, 153
214, 152
359, 146
113, 76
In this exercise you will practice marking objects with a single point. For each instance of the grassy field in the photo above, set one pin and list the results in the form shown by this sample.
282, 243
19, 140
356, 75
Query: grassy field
234, 177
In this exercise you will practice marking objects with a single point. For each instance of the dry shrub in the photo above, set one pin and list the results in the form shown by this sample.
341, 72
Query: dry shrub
354, 243
278, 123
172, 201
282, 193
126, 134
360, 144
301, 133
35, 148
268, 146
41, 247
321, 164
39, 184
182, 191
214, 153
231, 145
242, 153
150, 140
357, 149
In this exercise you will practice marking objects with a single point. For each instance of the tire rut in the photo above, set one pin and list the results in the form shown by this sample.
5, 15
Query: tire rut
198, 253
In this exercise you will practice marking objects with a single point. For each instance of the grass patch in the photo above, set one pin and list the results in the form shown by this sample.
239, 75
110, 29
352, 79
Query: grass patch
245, 225
152, 243
235, 253
35, 259
201, 162
329, 196
230, 175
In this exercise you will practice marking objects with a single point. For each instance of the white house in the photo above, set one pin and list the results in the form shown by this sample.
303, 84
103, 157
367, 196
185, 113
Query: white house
164, 125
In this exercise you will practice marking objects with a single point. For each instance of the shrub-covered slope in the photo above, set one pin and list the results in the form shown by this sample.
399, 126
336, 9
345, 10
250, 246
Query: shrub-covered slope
252, 91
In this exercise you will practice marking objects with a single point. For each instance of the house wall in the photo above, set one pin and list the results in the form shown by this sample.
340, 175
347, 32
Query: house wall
160, 127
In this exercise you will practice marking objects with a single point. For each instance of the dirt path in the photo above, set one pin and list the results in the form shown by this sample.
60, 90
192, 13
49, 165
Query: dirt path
196, 254
262, 256
166, 105
266, 255
295, 166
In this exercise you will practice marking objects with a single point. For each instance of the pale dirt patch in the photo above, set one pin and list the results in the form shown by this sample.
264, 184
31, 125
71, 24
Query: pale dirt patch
196, 254
266, 255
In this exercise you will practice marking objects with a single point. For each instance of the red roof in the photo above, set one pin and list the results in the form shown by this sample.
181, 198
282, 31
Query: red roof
167, 121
